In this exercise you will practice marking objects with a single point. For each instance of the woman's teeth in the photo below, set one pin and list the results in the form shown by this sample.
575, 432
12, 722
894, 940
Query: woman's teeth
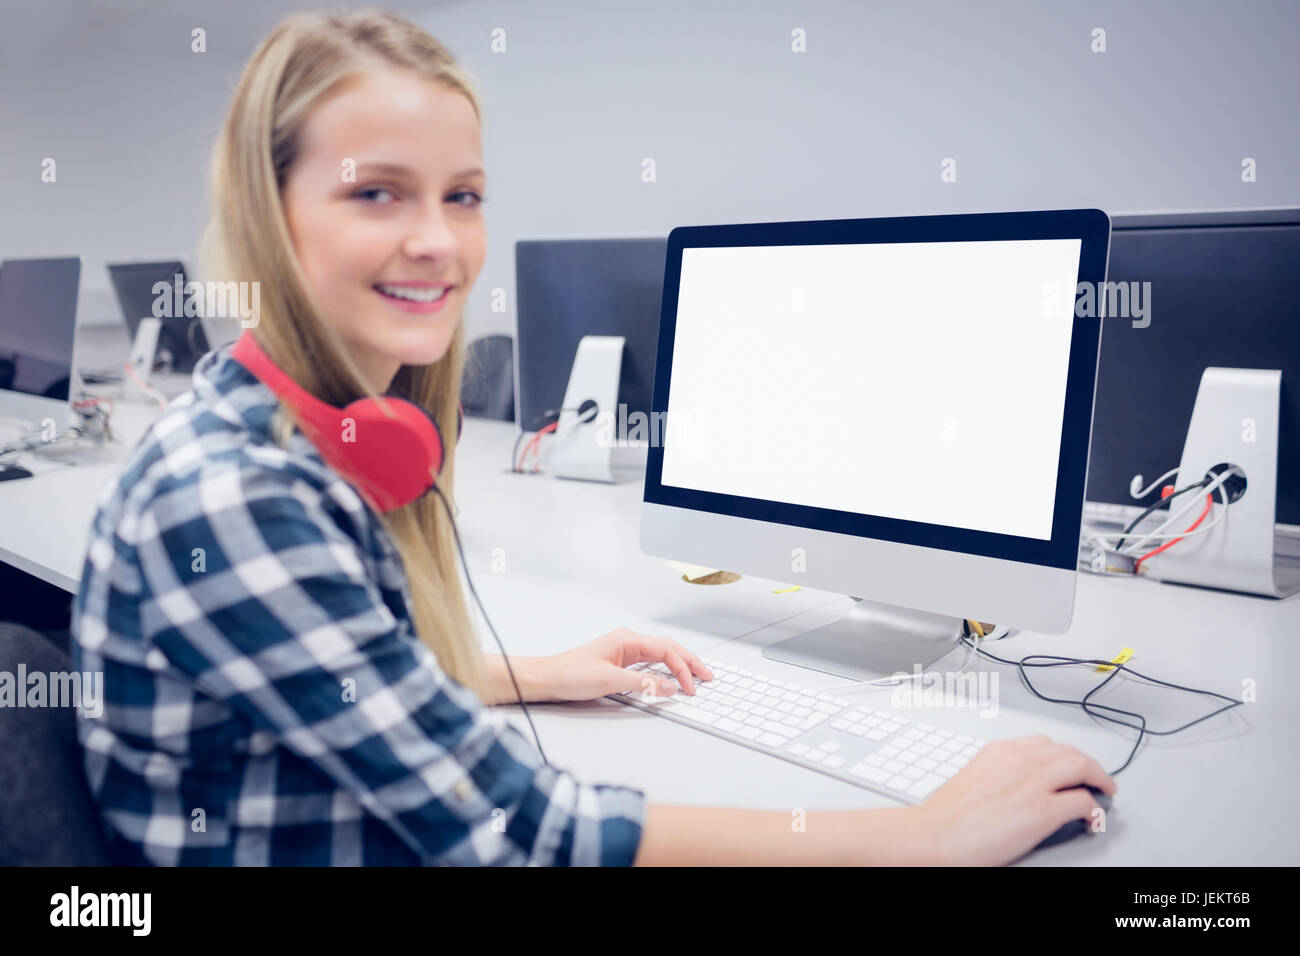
415, 295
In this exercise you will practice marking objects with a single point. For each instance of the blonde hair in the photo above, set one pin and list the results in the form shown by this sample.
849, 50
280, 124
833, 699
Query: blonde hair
303, 61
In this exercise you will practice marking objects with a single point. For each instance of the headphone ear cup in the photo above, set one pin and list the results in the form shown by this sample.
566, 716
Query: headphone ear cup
396, 458
392, 452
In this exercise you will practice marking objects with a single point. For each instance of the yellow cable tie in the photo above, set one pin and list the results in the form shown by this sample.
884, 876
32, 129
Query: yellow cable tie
1121, 658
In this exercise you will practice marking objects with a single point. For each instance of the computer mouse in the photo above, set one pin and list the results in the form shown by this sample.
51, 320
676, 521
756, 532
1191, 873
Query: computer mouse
1073, 828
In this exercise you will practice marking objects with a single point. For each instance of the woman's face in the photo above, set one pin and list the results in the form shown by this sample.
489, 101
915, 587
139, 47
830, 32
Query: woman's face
383, 203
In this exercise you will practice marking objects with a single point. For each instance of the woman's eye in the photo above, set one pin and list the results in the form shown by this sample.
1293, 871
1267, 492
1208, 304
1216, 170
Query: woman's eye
375, 189
477, 199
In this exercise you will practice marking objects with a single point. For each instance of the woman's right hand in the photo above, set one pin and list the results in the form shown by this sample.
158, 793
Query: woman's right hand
1005, 801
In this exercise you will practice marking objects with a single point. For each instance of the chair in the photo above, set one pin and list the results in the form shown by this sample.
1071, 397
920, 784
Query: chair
488, 384
47, 814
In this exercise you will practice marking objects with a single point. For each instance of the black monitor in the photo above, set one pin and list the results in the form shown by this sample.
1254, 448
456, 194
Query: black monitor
568, 288
181, 336
1225, 291
38, 325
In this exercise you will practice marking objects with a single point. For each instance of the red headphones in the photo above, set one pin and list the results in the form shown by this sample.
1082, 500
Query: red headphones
392, 458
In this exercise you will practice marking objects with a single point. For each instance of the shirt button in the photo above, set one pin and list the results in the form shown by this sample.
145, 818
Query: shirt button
463, 790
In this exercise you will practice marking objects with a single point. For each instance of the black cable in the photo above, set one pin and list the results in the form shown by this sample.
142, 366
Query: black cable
1170, 497
514, 454
545, 418
541, 421
1085, 702
472, 590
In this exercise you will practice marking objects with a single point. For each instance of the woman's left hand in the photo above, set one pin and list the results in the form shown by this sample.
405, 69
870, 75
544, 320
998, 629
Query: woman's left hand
600, 667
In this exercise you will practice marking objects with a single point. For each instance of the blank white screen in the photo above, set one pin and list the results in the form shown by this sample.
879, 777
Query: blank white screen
922, 381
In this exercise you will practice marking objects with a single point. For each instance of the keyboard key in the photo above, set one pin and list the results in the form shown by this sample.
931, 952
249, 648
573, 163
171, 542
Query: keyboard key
771, 740
874, 774
696, 714
780, 730
926, 786
833, 761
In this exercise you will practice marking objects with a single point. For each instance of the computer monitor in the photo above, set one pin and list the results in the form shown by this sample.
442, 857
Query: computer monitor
568, 288
893, 409
1223, 292
181, 339
38, 336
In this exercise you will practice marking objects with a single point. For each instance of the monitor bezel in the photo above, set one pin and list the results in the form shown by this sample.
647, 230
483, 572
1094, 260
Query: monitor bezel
1091, 226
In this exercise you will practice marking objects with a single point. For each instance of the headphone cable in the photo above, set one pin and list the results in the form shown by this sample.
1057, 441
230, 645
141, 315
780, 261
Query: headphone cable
483, 610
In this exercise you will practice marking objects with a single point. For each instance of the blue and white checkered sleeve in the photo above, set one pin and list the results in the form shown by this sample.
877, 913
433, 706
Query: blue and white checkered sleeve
262, 598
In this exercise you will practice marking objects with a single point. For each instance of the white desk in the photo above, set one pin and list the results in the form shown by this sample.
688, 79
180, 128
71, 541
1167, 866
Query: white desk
1221, 793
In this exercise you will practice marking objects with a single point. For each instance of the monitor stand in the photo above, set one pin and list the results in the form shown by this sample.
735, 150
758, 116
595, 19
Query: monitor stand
874, 640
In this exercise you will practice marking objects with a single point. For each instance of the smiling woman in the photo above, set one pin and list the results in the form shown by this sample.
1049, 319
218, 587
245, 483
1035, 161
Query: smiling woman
293, 676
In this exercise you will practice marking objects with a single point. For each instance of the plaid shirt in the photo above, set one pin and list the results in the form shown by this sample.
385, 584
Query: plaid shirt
266, 701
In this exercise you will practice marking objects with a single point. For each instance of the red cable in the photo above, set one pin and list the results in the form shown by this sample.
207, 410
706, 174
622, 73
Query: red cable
534, 442
1209, 501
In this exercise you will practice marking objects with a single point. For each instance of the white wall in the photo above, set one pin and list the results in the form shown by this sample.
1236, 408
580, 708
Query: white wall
740, 127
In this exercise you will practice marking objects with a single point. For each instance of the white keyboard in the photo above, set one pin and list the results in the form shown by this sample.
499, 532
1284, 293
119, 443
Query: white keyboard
862, 745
